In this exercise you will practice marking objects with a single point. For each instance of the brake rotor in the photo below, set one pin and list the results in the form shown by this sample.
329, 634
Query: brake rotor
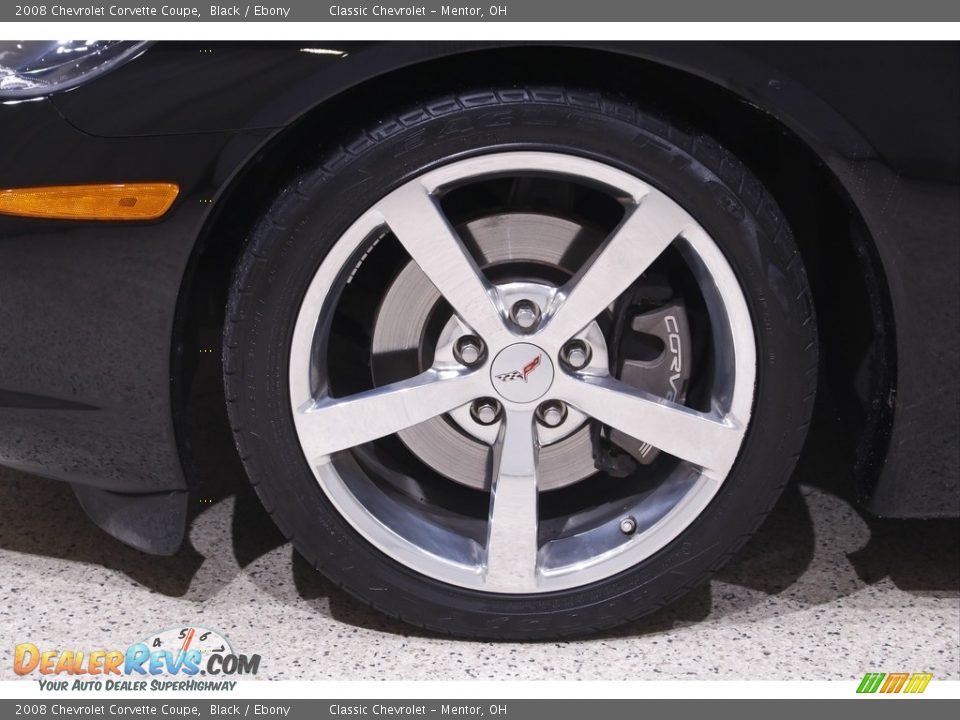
522, 240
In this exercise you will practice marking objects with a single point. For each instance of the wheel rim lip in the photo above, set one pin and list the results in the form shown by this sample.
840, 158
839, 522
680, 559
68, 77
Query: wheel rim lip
734, 320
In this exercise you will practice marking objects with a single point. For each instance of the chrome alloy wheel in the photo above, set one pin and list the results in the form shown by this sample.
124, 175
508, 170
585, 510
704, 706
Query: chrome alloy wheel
531, 366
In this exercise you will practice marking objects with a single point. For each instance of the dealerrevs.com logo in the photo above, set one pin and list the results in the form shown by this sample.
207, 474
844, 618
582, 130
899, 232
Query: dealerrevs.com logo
172, 659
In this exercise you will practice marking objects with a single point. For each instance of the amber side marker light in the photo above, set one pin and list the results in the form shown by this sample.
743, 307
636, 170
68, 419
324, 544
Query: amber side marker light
127, 201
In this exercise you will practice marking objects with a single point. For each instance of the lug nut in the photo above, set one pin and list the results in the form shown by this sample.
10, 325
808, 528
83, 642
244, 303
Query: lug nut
485, 411
469, 350
551, 413
628, 526
525, 313
575, 354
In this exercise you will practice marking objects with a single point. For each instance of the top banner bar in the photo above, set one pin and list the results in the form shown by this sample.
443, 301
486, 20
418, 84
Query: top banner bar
389, 11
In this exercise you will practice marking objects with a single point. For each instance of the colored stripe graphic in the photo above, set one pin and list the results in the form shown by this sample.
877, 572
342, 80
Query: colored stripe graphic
918, 682
870, 682
894, 682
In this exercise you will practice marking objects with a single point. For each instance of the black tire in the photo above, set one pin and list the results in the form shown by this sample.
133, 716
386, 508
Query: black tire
290, 242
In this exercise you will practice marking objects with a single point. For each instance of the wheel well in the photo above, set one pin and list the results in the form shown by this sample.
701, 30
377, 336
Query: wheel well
854, 409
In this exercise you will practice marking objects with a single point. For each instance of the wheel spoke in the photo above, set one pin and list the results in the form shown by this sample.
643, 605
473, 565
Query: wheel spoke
416, 219
512, 529
647, 230
332, 424
707, 442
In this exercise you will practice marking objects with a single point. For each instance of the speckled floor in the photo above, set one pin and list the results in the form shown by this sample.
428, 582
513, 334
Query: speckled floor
818, 594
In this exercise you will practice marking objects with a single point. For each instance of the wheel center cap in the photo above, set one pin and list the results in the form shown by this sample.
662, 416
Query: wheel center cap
521, 372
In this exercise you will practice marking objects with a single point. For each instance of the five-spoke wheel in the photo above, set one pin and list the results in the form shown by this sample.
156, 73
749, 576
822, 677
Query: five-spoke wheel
523, 351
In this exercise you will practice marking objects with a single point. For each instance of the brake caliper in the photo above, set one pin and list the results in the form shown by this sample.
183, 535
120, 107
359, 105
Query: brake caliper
664, 375
651, 351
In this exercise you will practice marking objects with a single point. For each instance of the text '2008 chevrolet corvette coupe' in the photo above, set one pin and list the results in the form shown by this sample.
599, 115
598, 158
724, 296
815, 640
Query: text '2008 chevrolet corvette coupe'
515, 340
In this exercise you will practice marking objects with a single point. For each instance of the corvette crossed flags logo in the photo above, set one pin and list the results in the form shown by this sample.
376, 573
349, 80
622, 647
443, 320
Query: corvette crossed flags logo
520, 374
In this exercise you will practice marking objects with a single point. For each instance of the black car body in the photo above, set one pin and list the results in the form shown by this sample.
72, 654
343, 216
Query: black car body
102, 324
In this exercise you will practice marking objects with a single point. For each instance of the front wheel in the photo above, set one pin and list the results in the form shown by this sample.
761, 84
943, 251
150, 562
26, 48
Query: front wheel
520, 363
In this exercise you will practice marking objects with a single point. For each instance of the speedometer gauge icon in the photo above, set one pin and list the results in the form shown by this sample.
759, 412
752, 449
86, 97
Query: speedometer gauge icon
183, 638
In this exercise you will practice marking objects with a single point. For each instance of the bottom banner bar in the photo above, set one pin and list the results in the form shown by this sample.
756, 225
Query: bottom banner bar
615, 709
